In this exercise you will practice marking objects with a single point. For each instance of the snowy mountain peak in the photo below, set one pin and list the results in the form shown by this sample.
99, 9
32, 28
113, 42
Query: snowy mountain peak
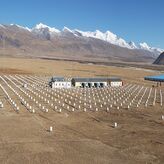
112, 38
109, 34
42, 26
21, 27
132, 45
144, 46
50, 32
66, 29
2, 26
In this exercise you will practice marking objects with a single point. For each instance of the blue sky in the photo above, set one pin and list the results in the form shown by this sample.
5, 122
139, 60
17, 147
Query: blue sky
136, 20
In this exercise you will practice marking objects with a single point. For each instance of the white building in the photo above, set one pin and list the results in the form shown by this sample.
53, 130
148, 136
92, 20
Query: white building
59, 82
116, 83
97, 82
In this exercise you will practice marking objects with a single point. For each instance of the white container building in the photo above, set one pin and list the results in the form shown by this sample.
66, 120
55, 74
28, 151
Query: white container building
97, 82
59, 82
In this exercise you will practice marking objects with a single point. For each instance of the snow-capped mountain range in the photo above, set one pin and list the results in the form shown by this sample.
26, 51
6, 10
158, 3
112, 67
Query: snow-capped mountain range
44, 41
42, 29
108, 36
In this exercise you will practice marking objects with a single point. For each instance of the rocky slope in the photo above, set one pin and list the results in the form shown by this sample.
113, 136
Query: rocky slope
44, 41
160, 59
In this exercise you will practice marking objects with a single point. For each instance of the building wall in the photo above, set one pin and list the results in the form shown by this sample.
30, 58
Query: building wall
78, 84
90, 84
98, 84
116, 83
61, 84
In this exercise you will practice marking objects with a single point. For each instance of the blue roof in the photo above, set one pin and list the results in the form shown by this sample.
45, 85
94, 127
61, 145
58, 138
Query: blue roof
158, 78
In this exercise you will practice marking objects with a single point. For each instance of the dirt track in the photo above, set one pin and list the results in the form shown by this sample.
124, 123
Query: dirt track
80, 137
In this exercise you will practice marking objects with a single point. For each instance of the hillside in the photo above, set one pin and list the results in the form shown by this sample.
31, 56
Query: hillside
160, 59
43, 41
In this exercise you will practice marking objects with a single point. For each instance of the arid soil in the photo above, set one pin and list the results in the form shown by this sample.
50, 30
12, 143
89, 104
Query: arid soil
80, 137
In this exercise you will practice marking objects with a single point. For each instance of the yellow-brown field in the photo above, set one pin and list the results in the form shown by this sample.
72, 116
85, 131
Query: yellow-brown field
78, 136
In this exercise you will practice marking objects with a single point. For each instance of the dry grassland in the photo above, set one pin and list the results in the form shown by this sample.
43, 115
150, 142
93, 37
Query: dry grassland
80, 137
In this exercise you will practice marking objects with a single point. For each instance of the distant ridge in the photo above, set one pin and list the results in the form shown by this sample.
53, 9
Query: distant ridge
48, 33
160, 59
43, 41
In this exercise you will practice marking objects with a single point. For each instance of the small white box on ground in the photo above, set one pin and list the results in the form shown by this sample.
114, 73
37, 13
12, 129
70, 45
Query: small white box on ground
115, 125
1, 105
51, 129
162, 117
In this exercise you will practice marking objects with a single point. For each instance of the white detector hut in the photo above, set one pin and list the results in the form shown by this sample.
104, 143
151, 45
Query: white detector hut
59, 82
97, 82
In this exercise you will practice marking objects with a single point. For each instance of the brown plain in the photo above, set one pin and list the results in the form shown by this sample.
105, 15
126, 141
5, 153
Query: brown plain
80, 137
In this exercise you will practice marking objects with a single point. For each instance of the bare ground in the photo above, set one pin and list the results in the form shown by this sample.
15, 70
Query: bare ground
80, 137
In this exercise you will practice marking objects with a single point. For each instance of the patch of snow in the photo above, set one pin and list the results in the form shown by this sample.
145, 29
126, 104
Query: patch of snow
107, 36
25, 28
2, 26
132, 45
73, 32
144, 46
66, 29
41, 26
